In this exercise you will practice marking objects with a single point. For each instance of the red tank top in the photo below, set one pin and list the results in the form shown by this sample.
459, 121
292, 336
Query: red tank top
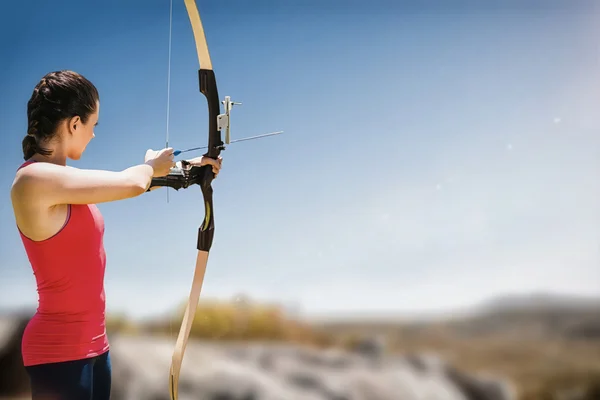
69, 271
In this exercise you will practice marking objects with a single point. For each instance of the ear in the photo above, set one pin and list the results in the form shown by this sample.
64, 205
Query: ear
73, 124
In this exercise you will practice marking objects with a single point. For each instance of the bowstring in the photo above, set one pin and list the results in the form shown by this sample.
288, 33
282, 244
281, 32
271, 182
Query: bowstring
169, 80
169, 110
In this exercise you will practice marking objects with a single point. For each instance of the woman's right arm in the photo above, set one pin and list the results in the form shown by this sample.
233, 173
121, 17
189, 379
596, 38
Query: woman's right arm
53, 184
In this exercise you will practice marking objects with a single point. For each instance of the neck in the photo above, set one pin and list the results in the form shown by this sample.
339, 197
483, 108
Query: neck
58, 156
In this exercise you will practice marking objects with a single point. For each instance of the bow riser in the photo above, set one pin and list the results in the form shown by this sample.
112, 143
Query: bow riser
208, 87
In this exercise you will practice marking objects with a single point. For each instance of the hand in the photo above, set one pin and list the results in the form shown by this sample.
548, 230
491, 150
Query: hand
202, 161
161, 161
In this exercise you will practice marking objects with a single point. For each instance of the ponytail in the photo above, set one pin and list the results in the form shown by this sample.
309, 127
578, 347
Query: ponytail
30, 147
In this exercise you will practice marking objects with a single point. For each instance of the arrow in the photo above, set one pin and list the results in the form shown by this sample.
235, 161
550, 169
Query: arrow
178, 152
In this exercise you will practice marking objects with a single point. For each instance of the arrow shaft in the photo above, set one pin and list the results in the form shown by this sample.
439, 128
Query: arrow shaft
257, 136
178, 152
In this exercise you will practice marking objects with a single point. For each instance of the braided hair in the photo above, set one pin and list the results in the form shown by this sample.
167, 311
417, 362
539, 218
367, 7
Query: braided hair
58, 96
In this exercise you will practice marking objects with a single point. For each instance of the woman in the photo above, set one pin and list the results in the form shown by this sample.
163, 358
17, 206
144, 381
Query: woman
65, 348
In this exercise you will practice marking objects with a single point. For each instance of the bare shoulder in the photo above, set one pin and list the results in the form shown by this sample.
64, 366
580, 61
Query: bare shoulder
39, 171
37, 215
33, 178
25, 180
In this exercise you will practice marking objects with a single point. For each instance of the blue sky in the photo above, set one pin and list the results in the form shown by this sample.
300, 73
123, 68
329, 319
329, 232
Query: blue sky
434, 155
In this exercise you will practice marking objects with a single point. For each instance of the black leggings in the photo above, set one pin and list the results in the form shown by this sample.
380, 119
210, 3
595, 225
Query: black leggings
87, 379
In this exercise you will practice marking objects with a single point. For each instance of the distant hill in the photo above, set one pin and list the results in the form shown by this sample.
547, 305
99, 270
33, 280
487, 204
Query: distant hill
539, 315
542, 302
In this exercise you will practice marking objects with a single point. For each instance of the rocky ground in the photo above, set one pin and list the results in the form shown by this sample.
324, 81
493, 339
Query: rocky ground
243, 371
284, 372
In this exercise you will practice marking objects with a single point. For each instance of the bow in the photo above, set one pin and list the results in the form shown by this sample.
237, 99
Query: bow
186, 175
208, 87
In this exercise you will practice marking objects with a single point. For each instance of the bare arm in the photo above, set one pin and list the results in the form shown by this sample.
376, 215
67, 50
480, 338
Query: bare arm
49, 184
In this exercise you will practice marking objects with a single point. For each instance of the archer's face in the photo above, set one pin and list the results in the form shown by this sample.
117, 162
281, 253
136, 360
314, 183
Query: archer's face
83, 133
